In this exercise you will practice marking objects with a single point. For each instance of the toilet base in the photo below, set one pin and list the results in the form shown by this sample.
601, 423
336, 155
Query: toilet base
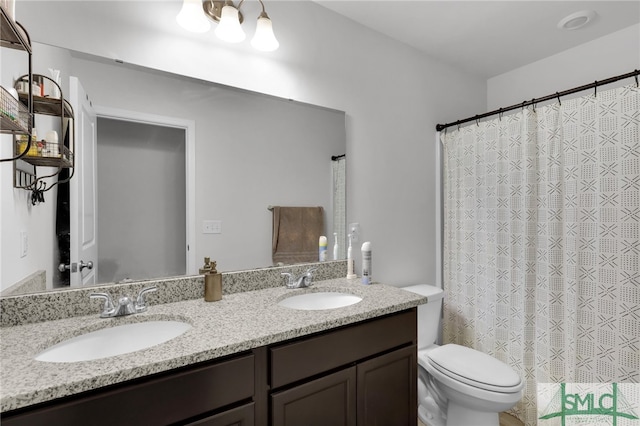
430, 414
458, 415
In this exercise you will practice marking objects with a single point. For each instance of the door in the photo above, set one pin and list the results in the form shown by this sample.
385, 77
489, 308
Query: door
82, 190
329, 400
387, 389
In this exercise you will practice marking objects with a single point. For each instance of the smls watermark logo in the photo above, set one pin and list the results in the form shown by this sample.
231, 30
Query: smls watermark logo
565, 404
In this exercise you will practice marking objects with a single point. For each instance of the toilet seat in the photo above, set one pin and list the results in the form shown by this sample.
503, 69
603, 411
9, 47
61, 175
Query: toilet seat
473, 368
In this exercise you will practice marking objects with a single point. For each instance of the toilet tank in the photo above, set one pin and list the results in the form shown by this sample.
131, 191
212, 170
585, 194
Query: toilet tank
428, 314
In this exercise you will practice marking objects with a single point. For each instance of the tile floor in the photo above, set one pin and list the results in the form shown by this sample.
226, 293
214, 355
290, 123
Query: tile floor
505, 420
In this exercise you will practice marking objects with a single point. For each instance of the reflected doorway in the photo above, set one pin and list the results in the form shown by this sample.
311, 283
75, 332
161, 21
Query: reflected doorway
141, 195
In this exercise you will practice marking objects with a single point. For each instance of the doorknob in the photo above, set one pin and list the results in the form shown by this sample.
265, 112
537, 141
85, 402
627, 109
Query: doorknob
75, 267
82, 265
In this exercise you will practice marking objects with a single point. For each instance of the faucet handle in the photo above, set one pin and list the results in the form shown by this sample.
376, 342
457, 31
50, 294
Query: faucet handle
307, 276
108, 307
288, 278
141, 302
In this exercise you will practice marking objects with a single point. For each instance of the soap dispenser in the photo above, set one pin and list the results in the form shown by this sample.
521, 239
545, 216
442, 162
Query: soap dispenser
212, 284
207, 266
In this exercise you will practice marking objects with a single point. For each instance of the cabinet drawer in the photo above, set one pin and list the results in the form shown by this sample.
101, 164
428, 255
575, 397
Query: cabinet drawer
316, 354
159, 400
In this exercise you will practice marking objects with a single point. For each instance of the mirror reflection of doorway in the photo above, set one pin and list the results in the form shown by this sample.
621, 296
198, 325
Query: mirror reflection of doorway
141, 197
141, 200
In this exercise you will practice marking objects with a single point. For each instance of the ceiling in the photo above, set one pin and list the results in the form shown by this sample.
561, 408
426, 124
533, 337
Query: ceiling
487, 38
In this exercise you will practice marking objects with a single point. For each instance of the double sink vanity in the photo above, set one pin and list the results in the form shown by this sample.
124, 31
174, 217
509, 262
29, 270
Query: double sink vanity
338, 352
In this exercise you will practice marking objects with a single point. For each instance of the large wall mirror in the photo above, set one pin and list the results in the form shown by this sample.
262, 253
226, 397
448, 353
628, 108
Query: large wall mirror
219, 154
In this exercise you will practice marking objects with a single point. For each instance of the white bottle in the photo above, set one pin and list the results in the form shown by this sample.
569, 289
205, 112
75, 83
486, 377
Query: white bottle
350, 274
322, 247
366, 263
335, 246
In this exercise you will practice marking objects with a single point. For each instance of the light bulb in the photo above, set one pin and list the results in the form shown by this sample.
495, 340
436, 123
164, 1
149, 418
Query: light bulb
264, 39
192, 18
229, 28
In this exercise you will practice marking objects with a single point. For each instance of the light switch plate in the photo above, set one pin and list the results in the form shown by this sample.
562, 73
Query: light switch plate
354, 230
212, 227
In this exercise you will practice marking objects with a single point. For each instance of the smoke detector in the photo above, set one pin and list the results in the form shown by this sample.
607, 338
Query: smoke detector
577, 20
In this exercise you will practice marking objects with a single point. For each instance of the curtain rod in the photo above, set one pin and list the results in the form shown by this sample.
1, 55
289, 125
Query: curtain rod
533, 101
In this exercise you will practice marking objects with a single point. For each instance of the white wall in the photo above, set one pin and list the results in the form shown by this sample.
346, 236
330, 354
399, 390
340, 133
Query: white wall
392, 94
16, 212
615, 54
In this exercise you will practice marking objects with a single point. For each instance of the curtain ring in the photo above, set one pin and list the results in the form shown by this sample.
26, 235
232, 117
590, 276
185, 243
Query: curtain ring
477, 121
458, 123
558, 96
636, 76
595, 88
533, 102
500, 114
523, 104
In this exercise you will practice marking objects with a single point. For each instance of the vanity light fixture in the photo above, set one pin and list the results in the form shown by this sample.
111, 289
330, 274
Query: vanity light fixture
192, 18
264, 39
229, 19
229, 28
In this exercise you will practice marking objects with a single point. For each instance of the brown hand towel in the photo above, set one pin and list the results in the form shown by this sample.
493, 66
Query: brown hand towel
296, 231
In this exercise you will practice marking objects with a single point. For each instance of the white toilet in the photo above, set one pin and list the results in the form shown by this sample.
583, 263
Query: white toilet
458, 386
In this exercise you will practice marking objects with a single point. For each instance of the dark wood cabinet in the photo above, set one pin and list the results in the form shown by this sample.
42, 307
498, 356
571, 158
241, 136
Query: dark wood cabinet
362, 374
387, 387
380, 391
162, 399
329, 400
240, 416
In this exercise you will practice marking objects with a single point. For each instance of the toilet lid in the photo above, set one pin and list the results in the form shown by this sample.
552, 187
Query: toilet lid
475, 368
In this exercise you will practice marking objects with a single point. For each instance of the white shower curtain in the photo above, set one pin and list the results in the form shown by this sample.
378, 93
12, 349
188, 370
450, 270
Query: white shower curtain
541, 256
339, 172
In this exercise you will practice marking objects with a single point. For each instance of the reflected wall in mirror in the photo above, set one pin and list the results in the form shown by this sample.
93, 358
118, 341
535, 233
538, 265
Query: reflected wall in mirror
249, 151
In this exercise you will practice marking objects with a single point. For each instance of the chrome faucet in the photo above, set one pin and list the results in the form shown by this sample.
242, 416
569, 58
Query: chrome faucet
303, 281
126, 306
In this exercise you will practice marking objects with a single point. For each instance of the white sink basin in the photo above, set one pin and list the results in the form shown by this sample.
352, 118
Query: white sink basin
320, 300
113, 341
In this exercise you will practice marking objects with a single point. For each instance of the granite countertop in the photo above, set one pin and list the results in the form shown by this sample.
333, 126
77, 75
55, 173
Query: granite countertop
239, 322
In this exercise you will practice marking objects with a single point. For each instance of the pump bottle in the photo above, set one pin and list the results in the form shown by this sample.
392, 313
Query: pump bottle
350, 274
366, 263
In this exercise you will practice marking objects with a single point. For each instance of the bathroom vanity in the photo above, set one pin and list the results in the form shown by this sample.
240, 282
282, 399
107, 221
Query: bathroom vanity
246, 361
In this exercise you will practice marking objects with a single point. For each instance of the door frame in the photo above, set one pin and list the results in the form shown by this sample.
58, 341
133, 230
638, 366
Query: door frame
189, 127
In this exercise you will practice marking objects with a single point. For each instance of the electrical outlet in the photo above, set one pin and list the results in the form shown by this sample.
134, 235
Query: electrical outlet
212, 227
24, 243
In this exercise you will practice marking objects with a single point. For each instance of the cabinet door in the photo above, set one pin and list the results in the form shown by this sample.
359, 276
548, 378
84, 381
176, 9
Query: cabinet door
387, 389
240, 416
329, 400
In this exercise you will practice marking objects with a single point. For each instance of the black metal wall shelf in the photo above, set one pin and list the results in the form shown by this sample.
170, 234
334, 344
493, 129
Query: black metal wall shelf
16, 118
